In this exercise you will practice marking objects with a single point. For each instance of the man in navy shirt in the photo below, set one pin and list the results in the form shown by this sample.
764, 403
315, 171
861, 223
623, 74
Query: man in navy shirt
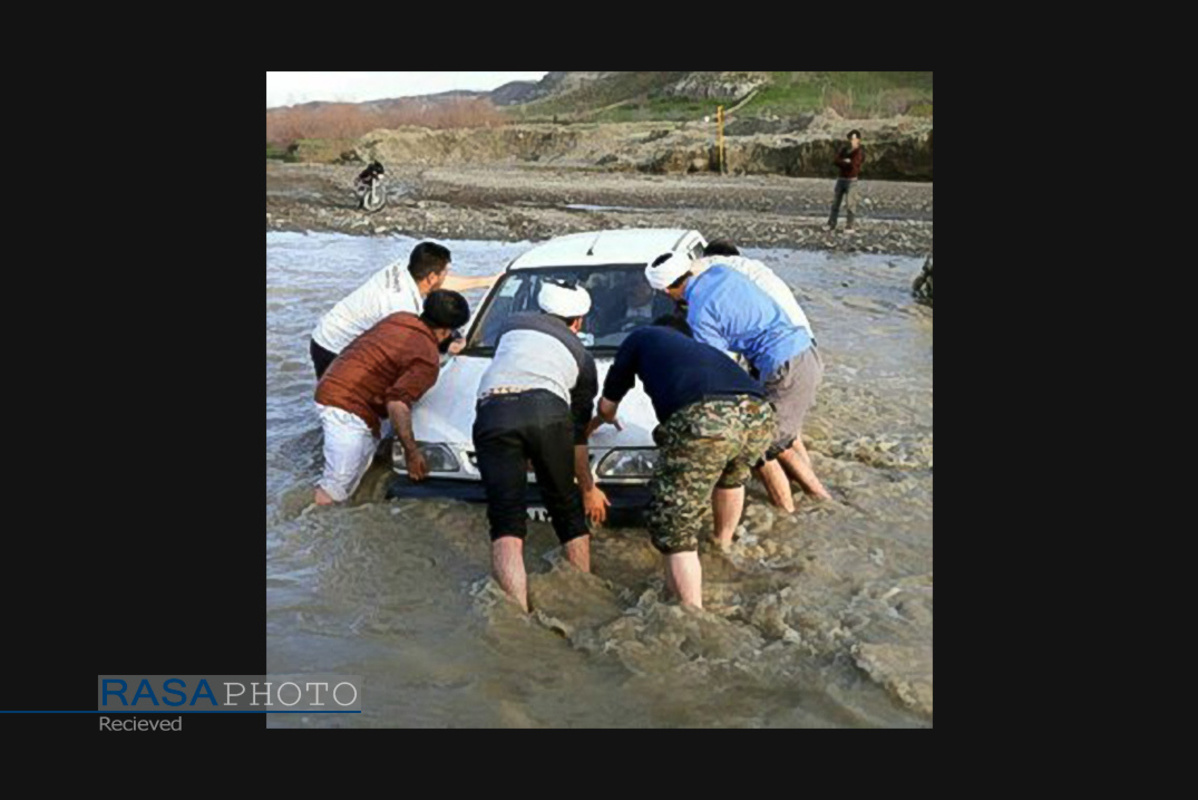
714, 423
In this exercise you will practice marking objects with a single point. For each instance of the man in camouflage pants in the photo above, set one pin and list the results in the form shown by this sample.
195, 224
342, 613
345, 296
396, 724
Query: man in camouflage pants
715, 423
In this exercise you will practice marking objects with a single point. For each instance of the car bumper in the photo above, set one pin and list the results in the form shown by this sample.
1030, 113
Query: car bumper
627, 501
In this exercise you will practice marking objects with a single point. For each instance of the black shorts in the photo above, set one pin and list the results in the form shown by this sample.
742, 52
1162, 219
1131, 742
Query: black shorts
509, 431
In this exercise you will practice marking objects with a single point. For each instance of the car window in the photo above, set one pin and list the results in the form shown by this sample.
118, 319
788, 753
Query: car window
621, 302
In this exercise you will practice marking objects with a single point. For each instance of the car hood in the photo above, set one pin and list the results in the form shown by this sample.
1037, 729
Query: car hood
446, 412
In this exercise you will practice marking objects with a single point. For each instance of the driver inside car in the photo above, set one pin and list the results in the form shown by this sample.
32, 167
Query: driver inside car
630, 304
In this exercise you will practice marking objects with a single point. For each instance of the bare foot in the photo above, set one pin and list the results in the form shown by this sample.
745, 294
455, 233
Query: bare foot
322, 498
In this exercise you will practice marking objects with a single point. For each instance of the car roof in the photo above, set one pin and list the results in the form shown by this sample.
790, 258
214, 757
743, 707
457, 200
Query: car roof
593, 248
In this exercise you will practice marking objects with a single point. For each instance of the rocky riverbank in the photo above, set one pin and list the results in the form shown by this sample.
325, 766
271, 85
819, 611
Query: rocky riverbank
529, 202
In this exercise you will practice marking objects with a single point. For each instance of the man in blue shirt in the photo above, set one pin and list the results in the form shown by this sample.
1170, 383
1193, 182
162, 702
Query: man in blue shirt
728, 311
714, 423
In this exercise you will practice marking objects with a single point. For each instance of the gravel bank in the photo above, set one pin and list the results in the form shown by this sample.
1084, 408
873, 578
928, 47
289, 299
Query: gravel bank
521, 203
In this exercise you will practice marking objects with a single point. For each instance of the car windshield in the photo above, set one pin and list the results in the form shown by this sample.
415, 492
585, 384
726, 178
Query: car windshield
621, 301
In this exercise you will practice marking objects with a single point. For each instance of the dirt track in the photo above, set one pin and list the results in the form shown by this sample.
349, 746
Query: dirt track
518, 203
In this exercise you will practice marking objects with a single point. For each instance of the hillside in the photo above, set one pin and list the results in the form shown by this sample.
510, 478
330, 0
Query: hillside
783, 98
777, 122
648, 96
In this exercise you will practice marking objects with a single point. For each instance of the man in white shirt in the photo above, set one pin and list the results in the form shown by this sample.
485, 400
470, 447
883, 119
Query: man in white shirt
388, 291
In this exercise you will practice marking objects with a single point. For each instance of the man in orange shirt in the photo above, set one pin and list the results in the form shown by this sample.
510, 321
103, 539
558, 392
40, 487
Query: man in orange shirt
379, 376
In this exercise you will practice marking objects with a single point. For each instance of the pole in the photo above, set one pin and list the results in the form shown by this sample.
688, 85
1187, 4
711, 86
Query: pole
719, 120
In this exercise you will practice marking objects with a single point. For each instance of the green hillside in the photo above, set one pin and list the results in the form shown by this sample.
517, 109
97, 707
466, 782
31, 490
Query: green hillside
863, 93
637, 96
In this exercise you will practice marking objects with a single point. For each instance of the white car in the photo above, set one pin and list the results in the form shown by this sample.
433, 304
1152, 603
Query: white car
611, 265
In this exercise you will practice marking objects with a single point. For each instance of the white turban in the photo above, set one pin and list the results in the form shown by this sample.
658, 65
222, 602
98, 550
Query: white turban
563, 302
668, 271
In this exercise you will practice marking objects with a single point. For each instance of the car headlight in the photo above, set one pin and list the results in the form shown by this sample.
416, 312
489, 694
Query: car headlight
437, 457
628, 463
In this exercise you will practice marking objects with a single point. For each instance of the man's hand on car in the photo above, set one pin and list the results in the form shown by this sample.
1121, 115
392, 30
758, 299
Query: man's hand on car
417, 468
596, 421
594, 504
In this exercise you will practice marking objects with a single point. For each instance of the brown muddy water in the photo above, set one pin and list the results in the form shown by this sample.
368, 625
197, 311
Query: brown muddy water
823, 619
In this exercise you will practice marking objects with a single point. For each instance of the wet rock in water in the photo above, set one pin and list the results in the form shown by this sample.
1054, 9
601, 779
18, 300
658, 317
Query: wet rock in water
769, 616
633, 557
922, 287
905, 451
566, 599
513, 716
759, 519
905, 672
664, 637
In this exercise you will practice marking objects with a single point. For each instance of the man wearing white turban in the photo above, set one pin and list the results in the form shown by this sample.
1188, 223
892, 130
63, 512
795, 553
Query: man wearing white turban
534, 403
731, 312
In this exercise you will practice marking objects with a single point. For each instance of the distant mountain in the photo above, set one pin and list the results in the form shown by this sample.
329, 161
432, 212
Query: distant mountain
785, 98
516, 92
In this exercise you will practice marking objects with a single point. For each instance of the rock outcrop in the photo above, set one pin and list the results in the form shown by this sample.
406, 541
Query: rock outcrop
895, 149
717, 85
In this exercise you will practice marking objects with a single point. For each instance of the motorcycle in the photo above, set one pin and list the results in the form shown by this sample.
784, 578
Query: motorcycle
372, 195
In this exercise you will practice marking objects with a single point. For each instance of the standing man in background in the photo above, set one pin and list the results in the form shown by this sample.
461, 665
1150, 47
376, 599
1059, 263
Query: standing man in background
849, 162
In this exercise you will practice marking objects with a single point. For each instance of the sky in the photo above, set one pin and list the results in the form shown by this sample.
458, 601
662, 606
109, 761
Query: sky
290, 88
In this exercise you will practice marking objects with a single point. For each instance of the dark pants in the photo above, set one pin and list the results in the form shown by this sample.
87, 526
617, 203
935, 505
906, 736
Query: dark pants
846, 189
509, 431
321, 358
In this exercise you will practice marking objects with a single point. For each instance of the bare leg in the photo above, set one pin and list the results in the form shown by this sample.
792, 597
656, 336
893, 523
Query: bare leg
726, 505
578, 552
671, 587
685, 575
777, 485
323, 498
507, 561
797, 464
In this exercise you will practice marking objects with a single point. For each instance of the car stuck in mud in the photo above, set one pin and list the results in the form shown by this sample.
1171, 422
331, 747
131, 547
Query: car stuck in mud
610, 264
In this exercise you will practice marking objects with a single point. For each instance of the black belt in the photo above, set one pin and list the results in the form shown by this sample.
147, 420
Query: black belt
514, 395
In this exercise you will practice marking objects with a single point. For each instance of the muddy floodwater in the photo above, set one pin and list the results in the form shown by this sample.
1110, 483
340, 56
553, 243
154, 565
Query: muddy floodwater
821, 619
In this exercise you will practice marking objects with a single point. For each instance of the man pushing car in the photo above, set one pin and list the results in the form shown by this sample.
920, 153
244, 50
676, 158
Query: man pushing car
379, 375
714, 424
534, 403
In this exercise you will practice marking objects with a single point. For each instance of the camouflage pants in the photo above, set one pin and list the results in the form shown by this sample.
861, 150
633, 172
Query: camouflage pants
701, 446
